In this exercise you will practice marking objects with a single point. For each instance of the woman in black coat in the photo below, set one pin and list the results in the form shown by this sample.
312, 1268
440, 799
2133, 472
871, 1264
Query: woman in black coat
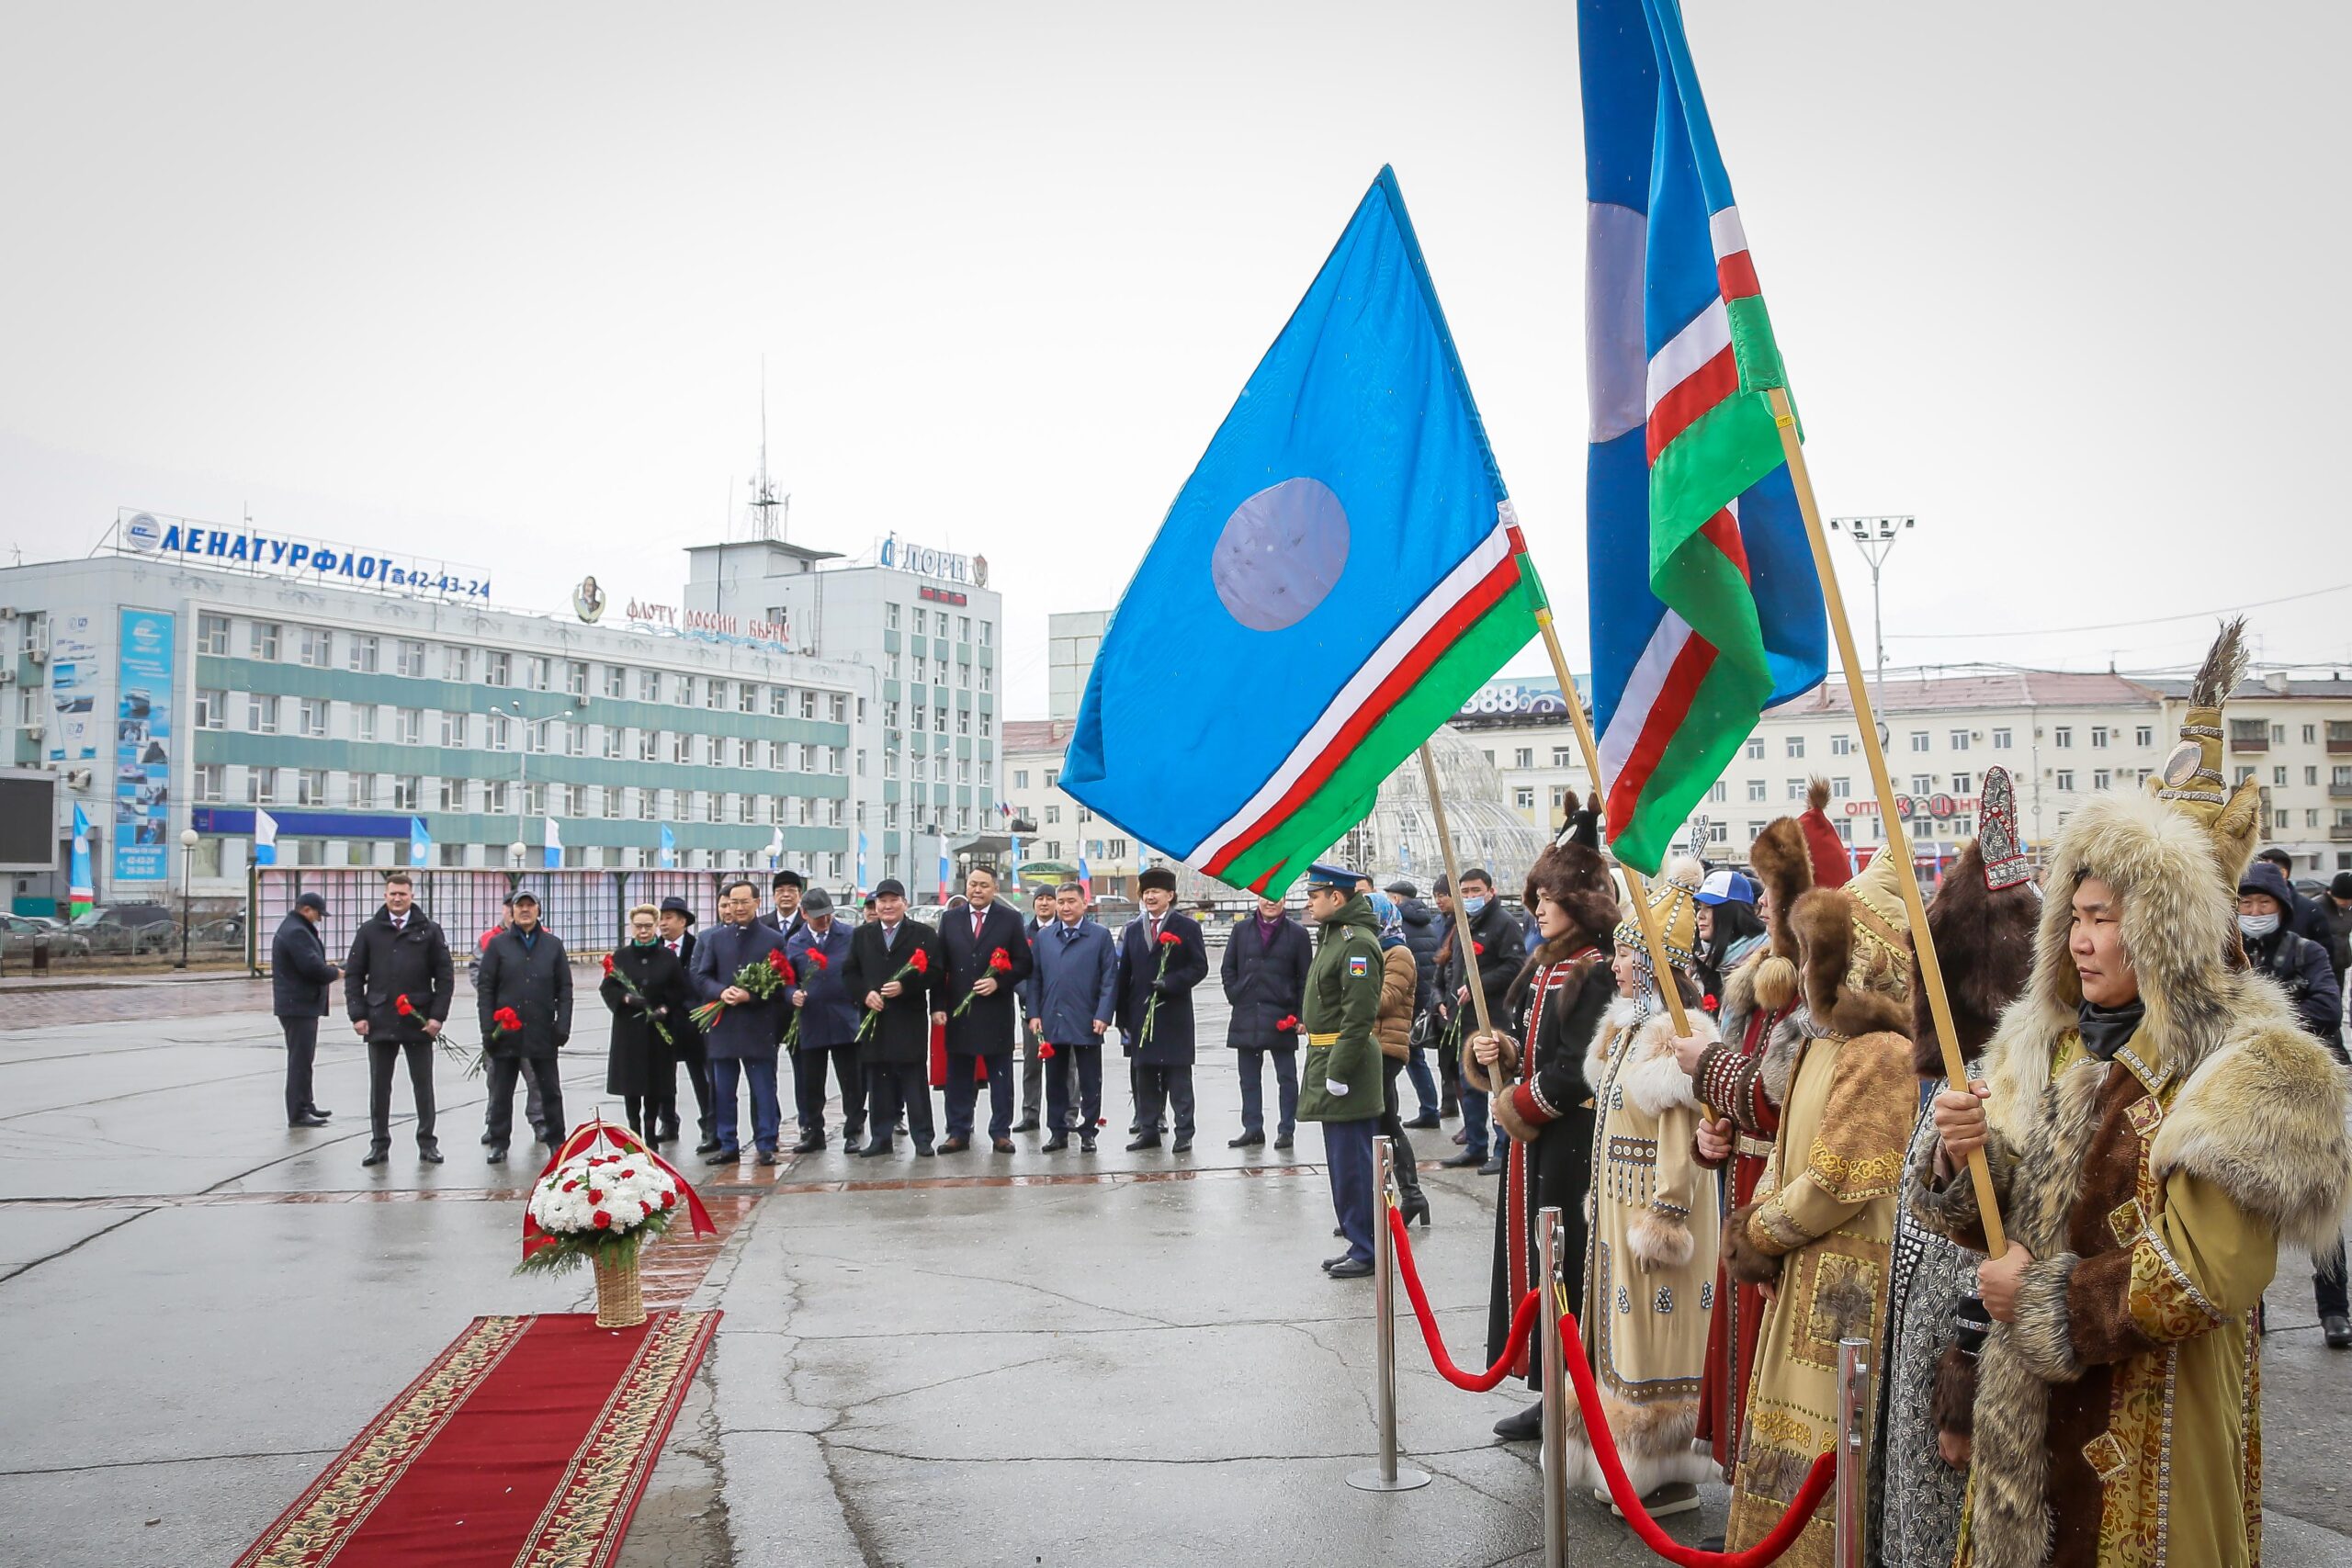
646, 986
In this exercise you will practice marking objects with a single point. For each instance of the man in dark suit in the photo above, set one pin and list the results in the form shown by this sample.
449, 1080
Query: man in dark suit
526, 970
398, 956
742, 1044
896, 1053
1071, 997
678, 936
300, 976
784, 918
1033, 1066
970, 940
1155, 1006
1267, 956
829, 1018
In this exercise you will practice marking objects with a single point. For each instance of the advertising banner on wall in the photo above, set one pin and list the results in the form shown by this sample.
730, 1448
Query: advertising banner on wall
142, 750
74, 686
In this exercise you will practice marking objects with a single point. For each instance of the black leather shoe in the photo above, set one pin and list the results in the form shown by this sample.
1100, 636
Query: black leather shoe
1281, 1140
1494, 1166
809, 1144
953, 1146
723, 1156
1349, 1269
1002, 1146
2339, 1333
1426, 1119
308, 1120
707, 1147
1027, 1125
852, 1135
430, 1153
1331, 1263
1526, 1426
1149, 1141
1247, 1141
377, 1155
670, 1130
767, 1157
925, 1151
1463, 1161
314, 1110
488, 1139
497, 1155
1180, 1146
1055, 1144
874, 1150
1086, 1144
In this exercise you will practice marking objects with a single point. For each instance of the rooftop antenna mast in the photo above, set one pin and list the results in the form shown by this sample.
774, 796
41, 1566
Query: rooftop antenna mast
772, 513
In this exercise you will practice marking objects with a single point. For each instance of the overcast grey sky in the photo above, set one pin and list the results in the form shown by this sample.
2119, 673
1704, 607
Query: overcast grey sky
496, 281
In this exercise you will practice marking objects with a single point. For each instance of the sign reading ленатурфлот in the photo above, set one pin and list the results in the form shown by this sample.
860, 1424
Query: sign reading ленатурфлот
142, 750
310, 559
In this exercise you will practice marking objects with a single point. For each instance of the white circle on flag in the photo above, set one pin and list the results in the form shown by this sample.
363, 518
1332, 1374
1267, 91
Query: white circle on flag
1280, 554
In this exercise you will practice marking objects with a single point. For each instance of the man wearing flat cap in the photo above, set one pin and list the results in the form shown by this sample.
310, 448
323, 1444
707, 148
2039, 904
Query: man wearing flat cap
678, 936
894, 971
300, 976
523, 969
1342, 1083
1162, 958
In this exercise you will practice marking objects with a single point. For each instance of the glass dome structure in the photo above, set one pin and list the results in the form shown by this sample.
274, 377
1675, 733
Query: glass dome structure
1399, 839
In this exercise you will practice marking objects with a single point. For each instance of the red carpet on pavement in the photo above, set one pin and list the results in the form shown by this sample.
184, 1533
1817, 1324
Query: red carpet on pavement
527, 1441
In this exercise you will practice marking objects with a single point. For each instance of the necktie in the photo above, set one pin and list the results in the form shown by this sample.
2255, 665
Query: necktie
979, 918
672, 946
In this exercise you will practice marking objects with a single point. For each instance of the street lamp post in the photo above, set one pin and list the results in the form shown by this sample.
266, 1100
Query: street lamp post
188, 873
522, 776
1875, 537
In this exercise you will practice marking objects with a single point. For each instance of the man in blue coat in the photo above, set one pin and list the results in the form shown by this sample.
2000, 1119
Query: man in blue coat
299, 977
988, 957
1071, 997
1162, 958
743, 1044
1266, 959
828, 1016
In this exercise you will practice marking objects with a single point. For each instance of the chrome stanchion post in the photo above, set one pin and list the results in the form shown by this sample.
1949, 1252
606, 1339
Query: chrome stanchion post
1853, 1449
1387, 1476
1556, 1389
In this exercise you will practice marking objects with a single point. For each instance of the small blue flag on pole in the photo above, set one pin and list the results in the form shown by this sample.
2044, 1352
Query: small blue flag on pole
420, 842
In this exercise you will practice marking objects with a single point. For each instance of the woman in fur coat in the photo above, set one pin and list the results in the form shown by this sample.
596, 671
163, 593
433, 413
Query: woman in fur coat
1649, 1273
2157, 1123
1820, 1230
1541, 1095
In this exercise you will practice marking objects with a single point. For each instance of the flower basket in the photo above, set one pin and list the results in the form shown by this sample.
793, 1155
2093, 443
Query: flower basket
620, 1295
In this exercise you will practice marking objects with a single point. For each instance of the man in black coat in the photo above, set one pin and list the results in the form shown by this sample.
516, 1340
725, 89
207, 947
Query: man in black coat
1500, 949
1267, 956
399, 955
526, 970
896, 1053
784, 918
970, 940
2307, 918
1422, 938
1033, 1064
300, 976
1163, 1061
678, 936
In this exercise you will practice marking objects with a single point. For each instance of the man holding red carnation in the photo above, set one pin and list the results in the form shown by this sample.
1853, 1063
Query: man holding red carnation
894, 971
740, 1041
397, 986
1162, 958
987, 954
522, 992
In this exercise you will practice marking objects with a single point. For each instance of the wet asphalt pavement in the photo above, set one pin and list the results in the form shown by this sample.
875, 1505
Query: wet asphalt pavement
990, 1360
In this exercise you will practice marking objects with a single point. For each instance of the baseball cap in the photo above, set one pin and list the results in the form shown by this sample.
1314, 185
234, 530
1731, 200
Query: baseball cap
1726, 888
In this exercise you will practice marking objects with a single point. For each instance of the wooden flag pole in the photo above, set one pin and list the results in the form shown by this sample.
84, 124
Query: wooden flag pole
1652, 938
1923, 942
1464, 946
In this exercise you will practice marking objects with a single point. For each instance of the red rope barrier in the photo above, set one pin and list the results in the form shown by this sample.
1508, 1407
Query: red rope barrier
1818, 1481
1521, 1323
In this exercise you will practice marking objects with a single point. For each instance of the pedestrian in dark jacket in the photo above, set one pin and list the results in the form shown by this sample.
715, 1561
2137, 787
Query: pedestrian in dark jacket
2338, 904
1071, 998
742, 1045
1155, 1006
1264, 975
1421, 939
829, 1019
645, 990
986, 956
1033, 1066
397, 986
526, 976
894, 971
299, 979
678, 936
1494, 962
2307, 918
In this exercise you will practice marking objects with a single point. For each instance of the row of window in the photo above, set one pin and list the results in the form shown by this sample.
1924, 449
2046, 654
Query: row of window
319, 648
934, 623
938, 668
504, 732
829, 867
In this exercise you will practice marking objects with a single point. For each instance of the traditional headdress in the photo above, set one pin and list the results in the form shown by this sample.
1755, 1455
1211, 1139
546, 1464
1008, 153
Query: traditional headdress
1982, 920
1792, 855
1673, 901
2191, 781
1995, 842
1572, 874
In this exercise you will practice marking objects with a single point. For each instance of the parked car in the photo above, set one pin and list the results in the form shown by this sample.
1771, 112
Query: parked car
128, 928
225, 931
19, 933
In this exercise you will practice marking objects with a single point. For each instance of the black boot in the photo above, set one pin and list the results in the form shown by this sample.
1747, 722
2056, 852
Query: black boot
1524, 1428
1413, 1205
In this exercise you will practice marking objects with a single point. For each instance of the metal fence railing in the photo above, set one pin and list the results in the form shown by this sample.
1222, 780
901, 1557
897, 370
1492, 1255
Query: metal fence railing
588, 909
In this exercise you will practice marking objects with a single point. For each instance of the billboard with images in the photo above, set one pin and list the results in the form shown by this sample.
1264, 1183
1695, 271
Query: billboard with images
142, 750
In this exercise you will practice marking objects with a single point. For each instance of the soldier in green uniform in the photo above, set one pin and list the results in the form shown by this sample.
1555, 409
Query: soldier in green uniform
1340, 1083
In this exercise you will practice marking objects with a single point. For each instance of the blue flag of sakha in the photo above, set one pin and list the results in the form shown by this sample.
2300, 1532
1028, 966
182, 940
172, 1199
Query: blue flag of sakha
1340, 573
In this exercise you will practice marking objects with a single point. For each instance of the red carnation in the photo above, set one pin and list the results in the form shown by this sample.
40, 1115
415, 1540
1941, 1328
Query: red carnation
1001, 960
1478, 948
780, 964
1170, 939
668, 1198
817, 957
1287, 1023
1045, 1050
595, 1196
603, 1220
608, 963
920, 962
1708, 1001
402, 1005
646, 1206
571, 1184
508, 1019
626, 1174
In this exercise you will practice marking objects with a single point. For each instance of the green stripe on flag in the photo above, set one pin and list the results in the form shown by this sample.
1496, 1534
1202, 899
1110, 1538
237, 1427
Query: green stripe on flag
1753, 345
1703, 469
1346, 798
1723, 711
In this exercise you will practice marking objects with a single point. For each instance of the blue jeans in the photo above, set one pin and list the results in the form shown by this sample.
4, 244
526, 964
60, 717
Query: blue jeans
1416, 1069
1347, 1146
1474, 1120
1251, 1059
767, 1114
964, 1093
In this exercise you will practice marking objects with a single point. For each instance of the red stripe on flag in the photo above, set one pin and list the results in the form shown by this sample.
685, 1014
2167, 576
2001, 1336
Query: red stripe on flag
1483, 596
1722, 531
1666, 716
1693, 395
1736, 275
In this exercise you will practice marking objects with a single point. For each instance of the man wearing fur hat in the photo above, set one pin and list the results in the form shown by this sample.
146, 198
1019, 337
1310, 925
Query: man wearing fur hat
1819, 1232
1744, 1076
1539, 1094
2156, 1124
1982, 920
